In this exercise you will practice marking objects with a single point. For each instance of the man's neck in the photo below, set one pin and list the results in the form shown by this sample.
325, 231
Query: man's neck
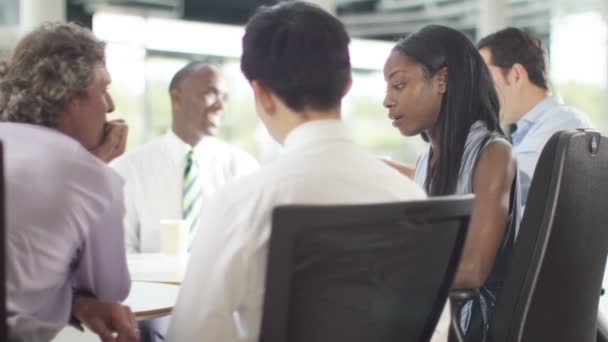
294, 119
187, 136
529, 98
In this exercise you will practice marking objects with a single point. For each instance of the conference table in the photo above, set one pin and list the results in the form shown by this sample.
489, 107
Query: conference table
149, 300
154, 289
156, 267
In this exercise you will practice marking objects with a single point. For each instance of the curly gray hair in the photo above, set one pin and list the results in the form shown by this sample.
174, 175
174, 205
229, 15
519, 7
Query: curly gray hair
54, 59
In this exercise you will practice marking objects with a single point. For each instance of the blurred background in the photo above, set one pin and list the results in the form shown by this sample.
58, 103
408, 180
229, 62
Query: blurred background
149, 40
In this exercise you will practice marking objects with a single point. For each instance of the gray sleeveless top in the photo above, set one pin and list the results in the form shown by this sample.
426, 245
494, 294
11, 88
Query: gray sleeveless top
478, 135
479, 138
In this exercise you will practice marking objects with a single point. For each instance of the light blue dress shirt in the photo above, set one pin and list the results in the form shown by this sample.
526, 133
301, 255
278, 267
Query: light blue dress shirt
534, 130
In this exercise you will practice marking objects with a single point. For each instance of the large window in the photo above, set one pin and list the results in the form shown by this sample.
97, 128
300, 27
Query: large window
142, 67
9, 21
579, 63
240, 125
143, 59
9, 12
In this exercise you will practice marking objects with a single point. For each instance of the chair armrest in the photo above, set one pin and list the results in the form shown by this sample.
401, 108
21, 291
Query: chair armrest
458, 297
463, 295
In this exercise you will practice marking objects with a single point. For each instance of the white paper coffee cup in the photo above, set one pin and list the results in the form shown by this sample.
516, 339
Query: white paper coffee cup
174, 237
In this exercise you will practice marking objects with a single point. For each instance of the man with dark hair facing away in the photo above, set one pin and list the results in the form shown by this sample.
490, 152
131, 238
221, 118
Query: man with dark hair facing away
296, 59
518, 64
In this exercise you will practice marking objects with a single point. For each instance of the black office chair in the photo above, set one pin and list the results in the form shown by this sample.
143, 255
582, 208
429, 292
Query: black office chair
553, 284
3, 326
601, 337
362, 273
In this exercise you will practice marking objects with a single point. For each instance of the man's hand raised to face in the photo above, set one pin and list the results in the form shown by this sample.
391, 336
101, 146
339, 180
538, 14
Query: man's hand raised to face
114, 141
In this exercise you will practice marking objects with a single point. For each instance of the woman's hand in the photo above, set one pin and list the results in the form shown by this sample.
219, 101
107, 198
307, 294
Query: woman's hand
402, 168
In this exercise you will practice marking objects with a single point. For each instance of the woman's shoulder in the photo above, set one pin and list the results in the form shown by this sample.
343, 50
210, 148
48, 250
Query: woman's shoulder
494, 155
481, 137
492, 145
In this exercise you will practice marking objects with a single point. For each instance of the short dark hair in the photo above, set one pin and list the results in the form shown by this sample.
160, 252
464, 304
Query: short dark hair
183, 72
470, 96
300, 52
513, 45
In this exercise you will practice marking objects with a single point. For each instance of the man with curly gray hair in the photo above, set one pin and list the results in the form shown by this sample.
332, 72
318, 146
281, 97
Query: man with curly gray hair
56, 77
65, 236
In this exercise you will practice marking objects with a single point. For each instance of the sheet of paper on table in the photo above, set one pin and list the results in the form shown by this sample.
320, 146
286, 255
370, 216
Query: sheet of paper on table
149, 300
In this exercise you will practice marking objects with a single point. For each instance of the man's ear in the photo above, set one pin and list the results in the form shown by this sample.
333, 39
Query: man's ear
264, 98
348, 86
442, 79
69, 102
68, 114
175, 98
518, 73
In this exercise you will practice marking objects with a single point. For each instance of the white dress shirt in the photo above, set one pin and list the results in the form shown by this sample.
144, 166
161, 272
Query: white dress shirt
64, 229
319, 165
154, 174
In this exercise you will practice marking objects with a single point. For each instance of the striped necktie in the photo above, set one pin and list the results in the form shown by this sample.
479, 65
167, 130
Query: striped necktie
192, 192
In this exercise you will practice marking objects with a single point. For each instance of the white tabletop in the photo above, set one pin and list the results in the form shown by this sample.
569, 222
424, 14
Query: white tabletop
157, 267
149, 300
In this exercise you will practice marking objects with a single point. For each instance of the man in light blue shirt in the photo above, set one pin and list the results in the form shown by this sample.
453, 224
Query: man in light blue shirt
517, 62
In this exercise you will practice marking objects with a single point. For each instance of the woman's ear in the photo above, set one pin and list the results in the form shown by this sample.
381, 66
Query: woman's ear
442, 79
263, 97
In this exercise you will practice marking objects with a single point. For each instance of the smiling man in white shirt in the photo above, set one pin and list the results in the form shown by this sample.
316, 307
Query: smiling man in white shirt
156, 184
296, 59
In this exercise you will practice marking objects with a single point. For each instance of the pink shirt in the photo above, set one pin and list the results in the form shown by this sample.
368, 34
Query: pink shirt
64, 229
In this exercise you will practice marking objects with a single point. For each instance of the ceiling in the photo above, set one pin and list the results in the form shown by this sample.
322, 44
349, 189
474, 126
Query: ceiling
380, 19
387, 19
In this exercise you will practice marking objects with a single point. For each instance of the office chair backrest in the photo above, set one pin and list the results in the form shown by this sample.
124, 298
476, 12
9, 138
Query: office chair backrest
552, 287
378, 272
3, 326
